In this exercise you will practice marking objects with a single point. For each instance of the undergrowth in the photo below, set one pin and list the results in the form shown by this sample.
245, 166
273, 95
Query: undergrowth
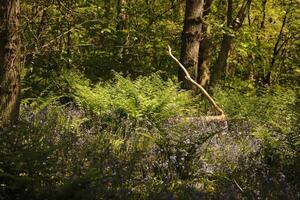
110, 141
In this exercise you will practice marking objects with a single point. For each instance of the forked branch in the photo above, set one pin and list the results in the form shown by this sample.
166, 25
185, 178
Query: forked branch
188, 77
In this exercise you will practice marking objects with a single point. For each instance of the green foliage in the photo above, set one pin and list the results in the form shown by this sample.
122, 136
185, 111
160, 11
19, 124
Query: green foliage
263, 106
146, 97
271, 120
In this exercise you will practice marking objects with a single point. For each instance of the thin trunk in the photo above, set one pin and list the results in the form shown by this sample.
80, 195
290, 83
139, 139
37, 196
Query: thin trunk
219, 70
229, 13
42, 26
121, 26
264, 6
276, 50
9, 62
239, 20
221, 64
121, 14
258, 74
191, 35
38, 39
249, 17
69, 40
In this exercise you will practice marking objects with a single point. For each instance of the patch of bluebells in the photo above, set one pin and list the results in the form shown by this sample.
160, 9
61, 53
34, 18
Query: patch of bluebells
174, 155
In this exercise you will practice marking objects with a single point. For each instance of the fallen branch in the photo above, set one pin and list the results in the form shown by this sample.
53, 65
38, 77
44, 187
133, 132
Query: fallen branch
188, 77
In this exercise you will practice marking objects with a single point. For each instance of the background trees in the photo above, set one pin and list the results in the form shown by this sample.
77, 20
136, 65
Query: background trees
100, 37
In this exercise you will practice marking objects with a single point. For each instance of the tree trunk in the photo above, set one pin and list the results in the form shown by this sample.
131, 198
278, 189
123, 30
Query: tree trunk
221, 64
276, 50
9, 62
121, 14
203, 65
219, 70
191, 35
264, 6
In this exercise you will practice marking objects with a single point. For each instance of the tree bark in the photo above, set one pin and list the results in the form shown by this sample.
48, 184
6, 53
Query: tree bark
191, 35
219, 69
234, 25
203, 65
204, 50
9, 62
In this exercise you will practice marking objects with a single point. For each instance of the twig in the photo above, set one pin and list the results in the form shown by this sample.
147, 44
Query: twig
188, 77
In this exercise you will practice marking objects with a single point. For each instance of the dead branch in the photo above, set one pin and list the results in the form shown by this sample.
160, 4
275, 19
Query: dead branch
188, 77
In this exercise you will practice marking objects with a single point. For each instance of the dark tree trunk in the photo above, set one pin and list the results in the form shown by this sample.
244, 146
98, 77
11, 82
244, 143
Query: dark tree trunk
219, 70
221, 64
9, 62
277, 48
121, 14
203, 65
264, 5
191, 35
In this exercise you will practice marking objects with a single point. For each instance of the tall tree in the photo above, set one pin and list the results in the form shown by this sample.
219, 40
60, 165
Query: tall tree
9, 61
191, 35
234, 24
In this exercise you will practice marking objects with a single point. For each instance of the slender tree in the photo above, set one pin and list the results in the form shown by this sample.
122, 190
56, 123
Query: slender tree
264, 6
234, 24
9, 62
121, 26
191, 35
280, 42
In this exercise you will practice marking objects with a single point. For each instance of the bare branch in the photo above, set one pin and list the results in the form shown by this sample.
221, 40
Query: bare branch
188, 77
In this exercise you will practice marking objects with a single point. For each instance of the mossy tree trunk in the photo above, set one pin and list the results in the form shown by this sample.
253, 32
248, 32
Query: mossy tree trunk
9, 62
